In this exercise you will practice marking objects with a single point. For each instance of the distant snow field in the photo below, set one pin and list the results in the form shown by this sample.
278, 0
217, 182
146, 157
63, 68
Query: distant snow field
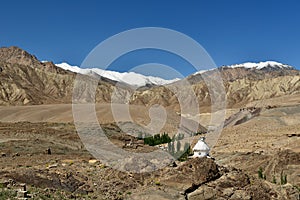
130, 78
262, 65
139, 80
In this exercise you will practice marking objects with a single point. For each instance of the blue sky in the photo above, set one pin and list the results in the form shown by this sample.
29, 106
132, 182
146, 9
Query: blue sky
232, 31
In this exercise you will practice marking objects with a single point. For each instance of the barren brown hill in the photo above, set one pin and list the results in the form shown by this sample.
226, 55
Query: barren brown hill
242, 86
25, 81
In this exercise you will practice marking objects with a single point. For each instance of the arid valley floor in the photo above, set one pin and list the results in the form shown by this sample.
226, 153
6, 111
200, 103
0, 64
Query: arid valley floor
269, 141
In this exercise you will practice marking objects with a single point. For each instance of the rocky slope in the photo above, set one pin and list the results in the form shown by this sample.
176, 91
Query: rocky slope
242, 85
25, 80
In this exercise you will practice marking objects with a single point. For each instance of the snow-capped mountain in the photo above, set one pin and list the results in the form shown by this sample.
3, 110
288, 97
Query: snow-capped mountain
130, 78
262, 65
267, 65
139, 80
203, 71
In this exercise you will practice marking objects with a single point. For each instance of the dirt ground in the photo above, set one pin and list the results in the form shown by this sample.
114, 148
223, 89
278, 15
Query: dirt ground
269, 140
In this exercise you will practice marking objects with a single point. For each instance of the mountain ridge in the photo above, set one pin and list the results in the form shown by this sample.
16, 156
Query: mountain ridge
142, 80
130, 78
24, 80
261, 65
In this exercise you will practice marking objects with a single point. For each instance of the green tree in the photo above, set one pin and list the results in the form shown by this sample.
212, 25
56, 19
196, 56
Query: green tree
169, 147
178, 145
186, 152
165, 138
173, 138
186, 147
149, 141
260, 173
172, 148
283, 178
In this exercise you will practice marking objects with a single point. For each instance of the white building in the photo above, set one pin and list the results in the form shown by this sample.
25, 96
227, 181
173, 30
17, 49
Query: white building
201, 149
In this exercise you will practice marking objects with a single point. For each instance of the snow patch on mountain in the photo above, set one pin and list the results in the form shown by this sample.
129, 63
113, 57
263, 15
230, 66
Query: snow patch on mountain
68, 67
203, 71
262, 65
130, 78
272, 65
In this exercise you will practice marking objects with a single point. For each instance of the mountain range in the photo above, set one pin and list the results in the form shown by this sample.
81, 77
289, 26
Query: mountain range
130, 78
135, 79
27, 81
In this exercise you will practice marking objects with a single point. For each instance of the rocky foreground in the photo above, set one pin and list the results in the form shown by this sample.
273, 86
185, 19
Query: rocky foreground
82, 179
70, 172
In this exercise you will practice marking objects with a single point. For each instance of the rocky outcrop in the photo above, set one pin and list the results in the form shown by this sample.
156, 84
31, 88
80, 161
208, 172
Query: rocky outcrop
15, 55
243, 91
203, 179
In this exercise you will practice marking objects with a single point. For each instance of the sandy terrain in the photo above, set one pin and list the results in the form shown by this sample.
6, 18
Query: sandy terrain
269, 140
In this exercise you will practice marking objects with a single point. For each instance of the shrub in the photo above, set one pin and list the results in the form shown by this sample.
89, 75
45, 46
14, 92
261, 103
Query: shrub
7, 194
157, 183
260, 173
283, 179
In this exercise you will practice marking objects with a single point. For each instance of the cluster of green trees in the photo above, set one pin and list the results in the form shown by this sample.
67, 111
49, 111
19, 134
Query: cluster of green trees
157, 139
183, 155
175, 149
174, 144
283, 177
